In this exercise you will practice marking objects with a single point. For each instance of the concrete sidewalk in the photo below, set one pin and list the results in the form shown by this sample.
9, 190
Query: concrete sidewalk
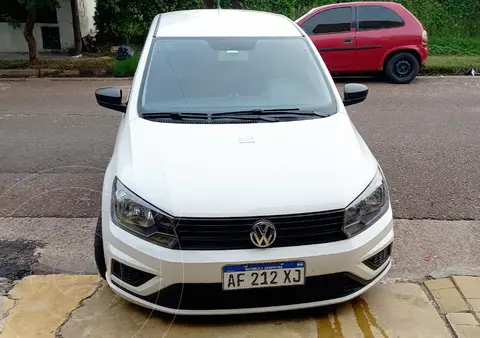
74, 306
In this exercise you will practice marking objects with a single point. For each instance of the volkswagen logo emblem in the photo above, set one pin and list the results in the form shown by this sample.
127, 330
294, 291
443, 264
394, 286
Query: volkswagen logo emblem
263, 234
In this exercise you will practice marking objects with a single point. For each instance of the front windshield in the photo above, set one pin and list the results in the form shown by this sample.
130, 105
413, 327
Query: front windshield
230, 74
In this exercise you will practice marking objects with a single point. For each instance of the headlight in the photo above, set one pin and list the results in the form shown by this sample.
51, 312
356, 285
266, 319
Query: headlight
367, 208
140, 218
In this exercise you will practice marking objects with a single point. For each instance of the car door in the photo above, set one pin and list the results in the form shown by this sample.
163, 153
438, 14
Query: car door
333, 33
379, 30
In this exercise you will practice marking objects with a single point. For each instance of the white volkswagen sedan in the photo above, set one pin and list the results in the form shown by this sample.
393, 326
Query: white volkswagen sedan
238, 183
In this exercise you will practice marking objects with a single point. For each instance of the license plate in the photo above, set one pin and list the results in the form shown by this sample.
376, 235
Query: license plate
252, 276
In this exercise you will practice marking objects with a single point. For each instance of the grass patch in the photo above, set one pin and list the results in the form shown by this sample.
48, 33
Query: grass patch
435, 65
445, 45
449, 61
127, 67
450, 64
108, 66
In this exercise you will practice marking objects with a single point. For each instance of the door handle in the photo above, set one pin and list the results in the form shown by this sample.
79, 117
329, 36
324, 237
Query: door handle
348, 40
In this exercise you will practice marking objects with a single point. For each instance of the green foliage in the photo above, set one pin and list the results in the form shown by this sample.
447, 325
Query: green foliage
451, 45
26, 6
11, 20
38, 4
126, 21
450, 65
447, 17
125, 68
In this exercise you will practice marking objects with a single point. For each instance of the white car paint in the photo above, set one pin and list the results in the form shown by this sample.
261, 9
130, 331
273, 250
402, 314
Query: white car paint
303, 156
207, 23
292, 167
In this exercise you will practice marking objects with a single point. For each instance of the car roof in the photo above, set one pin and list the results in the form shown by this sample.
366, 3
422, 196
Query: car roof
362, 3
224, 23
388, 4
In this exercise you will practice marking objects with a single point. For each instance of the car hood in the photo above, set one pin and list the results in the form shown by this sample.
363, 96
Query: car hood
229, 170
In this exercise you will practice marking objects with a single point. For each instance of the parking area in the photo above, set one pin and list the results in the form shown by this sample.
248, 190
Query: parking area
56, 142
425, 136
83, 306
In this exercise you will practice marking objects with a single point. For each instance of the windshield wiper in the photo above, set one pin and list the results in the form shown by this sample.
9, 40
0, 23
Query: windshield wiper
286, 112
247, 117
175, 116
268, 115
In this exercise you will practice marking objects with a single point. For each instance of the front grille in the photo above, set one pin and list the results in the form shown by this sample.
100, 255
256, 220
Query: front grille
234, 233
210, 296
378, 259
130, 275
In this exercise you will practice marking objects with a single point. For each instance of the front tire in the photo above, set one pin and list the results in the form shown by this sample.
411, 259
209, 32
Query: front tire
98, 250
402, 68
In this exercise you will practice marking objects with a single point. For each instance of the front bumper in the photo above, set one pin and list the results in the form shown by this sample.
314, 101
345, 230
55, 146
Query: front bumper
189, 282
424, 52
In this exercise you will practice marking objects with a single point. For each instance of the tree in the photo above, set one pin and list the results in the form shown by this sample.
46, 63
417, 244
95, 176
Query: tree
208, 3
77, 35
32, 7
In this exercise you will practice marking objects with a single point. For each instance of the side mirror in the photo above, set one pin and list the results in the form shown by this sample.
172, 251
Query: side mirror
354, 93
111, 98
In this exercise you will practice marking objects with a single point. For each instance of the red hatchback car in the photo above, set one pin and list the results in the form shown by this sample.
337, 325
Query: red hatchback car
359, 37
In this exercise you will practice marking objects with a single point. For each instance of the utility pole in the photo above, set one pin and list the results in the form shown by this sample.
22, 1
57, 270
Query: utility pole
77, 34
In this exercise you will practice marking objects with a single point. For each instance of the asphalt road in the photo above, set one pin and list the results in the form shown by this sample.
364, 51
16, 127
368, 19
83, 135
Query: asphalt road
55, 141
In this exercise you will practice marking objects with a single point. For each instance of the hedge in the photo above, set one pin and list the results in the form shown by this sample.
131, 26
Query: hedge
127, 21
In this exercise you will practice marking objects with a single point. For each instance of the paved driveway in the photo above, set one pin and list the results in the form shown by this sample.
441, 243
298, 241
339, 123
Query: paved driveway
55, 143
425, 135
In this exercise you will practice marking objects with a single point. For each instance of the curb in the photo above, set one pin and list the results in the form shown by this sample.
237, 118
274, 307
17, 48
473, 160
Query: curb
59, 78
60, 73
56, 77
19, 72
105, 73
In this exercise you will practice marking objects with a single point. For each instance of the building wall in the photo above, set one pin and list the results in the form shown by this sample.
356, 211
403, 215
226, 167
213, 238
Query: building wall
12, 40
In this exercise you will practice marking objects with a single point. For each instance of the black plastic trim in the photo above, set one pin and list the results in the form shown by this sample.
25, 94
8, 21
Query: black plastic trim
338, 49
210, 296
354, 18
130, 275
233, 233
377, 260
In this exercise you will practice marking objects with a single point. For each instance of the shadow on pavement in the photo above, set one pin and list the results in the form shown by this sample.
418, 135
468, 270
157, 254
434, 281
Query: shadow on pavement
17, 258
244, 318
359, 79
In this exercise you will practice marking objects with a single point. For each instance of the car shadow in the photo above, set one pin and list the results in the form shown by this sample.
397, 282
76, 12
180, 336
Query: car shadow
276, 317
360, 79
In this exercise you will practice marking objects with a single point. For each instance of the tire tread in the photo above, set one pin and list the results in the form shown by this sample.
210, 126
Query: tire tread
388, 69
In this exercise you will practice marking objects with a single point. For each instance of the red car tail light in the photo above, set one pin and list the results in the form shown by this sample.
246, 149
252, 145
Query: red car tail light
424, 38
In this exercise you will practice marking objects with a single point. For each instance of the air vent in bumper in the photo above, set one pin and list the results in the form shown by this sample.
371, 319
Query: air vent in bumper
130, 275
